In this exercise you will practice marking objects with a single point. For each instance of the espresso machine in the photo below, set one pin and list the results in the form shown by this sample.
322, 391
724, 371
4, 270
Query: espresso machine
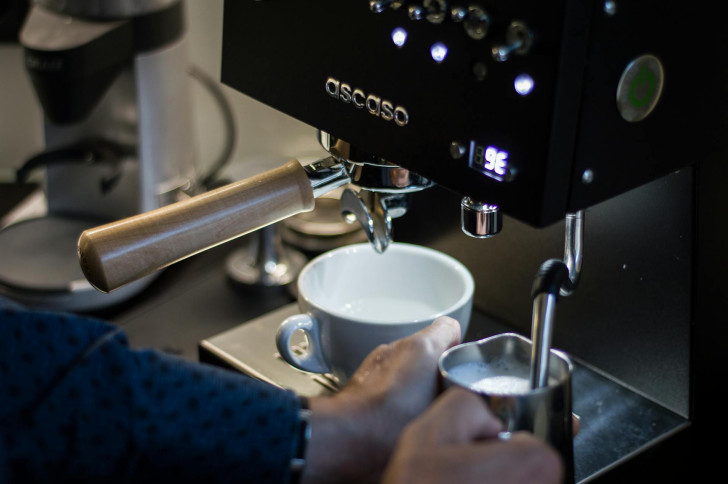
112, 80
575, 130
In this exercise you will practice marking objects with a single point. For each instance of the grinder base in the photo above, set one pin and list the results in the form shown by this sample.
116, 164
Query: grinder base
40, 268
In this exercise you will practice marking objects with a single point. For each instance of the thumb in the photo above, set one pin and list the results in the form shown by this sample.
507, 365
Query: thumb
443, 333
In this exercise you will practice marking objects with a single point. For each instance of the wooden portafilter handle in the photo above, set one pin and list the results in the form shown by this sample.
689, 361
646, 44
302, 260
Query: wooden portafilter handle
121, 252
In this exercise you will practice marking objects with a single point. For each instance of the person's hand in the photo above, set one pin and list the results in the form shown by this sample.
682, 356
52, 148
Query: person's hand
455, 440
354, 432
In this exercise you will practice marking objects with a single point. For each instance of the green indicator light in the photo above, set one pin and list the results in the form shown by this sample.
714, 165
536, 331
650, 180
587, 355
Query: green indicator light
642, 89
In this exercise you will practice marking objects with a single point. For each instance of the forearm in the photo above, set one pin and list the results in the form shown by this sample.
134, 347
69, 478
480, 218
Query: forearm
77, 404
207, 422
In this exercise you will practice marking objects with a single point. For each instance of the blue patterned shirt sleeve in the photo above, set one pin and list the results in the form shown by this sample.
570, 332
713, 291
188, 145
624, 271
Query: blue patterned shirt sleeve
78, 405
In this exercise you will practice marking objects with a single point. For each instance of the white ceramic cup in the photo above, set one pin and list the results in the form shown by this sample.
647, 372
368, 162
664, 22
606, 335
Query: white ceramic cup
353, 299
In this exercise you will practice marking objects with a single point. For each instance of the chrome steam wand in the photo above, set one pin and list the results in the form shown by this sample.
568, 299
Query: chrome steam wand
554, 278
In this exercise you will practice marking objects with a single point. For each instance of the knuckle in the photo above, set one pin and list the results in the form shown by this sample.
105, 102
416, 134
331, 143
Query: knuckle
416, 344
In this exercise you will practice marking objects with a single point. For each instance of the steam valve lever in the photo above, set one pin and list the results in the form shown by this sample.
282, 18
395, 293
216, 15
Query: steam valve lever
518, 41
435, 11
379, 6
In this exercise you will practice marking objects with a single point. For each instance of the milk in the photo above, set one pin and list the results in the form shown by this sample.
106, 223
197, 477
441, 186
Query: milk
483, 378
385, 309
502, 385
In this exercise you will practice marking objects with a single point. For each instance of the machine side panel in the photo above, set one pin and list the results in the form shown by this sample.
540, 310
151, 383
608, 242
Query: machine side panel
682, 128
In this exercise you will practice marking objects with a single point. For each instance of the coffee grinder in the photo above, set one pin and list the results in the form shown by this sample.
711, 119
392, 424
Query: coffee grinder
112, 81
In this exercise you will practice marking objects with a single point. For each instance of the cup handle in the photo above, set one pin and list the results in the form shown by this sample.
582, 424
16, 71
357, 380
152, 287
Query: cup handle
313, 360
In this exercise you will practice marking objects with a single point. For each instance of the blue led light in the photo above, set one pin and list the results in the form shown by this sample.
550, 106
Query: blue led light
523, 84
438, 52
399, 36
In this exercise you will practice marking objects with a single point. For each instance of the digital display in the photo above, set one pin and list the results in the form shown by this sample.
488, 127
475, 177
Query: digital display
489, 160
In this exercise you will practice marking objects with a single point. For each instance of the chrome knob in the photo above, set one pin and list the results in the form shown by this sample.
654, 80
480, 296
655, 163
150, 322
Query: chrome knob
416, 12
477, 23
435, 11
480, 220
379, 6
458, 14
518, 41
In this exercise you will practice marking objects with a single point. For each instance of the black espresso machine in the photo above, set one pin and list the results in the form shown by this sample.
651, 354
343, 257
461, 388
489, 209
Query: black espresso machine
543, 111
572, 127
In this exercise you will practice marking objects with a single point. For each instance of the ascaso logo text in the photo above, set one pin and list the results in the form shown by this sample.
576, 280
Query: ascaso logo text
377, 106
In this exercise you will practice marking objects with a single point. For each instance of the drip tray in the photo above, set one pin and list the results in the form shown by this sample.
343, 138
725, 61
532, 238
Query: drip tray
250, 348
617, 423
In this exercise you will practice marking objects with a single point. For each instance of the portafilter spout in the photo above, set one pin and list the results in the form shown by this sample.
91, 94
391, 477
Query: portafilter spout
383, 194
121, 252
374, 211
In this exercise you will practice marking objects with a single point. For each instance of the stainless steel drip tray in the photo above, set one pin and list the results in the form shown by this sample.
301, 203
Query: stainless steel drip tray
617, 423
250, 348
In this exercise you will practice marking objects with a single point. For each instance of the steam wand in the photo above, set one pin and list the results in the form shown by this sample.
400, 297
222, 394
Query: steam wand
554, 278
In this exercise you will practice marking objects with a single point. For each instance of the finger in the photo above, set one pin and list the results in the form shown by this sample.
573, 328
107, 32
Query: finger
457, 416
523, 459
421, 350
428, 343
444, 332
